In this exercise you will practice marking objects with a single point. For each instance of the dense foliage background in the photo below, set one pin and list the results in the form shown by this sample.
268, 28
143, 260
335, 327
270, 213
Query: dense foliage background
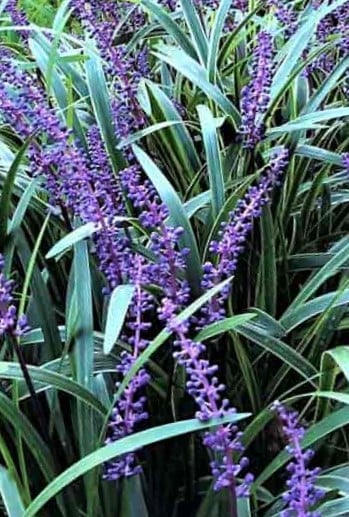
120, 122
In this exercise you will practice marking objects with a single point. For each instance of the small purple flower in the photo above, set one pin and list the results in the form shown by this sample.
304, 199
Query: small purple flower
10, 323
255, 95
17, 16
332, 25
207, 391
345, 161
233, 235
285, 14
130, 411
242, 5
302, 494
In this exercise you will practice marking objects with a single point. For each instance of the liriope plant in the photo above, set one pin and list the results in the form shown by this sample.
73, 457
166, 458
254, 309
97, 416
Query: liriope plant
185, 165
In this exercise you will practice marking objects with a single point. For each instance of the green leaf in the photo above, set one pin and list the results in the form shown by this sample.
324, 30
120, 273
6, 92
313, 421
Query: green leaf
214, 165
278, 348
332, 481
316, 153
216, 35
83, 335
132, 498
123, 446
171, 27
101, 106
75, 236
82, 232
330, 81
138, 135
244, 507
196, 203
6, 191
10, 495
314, 118
83, 360
198, 76
52, 380
337, 356
268, 271
22, 205
306, 261
196, 30
333, 395
318, 279
292, 52
333, 362
176, 140
222, 326
118, 306
305, 311
40, 302
20, 423
335, 508
178, 216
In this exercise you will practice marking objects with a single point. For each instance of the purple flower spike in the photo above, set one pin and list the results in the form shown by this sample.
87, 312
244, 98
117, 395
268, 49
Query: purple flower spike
233, 235
255, 95
302, 494
345, 161
203, 386
285, 14
17, 16
10, 323
130, 411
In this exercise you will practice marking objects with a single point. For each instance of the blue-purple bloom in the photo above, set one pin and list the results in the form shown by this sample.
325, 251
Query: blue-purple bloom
233, 235
302, 494
345, 161
10, 323
203, 385
242, 5
255, 95
332, 25
285, 14
18, 16
130, 411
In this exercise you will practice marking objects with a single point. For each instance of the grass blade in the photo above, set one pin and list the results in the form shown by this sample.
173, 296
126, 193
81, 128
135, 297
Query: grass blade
118, 306
128, 444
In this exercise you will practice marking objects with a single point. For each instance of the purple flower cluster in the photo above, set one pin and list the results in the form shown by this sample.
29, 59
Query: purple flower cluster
285, 14
18, 17
203, 385
233, 234
130, 411
10, 323
345, 161
25, 107
255, 95
334, 24
77, 181
105, 21
342, 16
83, 183
302, 494
242, 5
103, 18
127, 113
